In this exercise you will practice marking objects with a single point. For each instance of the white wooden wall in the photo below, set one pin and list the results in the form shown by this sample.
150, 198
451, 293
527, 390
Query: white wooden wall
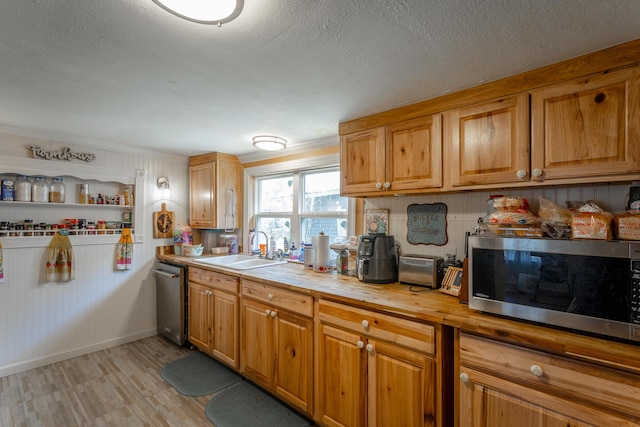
46, 322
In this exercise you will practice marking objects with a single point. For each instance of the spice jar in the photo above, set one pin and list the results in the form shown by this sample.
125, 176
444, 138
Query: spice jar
22, 189
57, 191
28, 227
40, 190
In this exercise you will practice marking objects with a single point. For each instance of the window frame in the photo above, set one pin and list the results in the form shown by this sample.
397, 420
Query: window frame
300, 166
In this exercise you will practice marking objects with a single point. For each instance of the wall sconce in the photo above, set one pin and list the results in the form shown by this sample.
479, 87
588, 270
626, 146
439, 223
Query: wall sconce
164, 187
269, 143
216, 12
163, 183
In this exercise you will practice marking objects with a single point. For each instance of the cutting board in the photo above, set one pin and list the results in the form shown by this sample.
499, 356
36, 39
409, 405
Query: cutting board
162, 223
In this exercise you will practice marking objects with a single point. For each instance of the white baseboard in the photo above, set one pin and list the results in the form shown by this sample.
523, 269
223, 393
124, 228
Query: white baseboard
58, 357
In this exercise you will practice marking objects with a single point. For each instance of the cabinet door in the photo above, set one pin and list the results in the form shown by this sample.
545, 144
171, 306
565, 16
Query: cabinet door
413, 154
228, 197
258, 353
225, 327
200, 316
202, 195
488, 143
342, 378
362, 161
587, 127
401, 387
294, 349
489, 401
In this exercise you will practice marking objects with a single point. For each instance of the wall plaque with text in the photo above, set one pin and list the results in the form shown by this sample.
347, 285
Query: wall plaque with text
427, 224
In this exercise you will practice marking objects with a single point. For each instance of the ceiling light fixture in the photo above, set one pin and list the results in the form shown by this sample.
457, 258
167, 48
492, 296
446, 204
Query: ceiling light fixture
216, 12
269, 143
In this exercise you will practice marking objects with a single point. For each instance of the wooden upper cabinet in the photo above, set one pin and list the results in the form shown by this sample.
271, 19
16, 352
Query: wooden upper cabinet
202, 206
414, 154
215, 191
362, 161
401, 157
587, 127
488, 143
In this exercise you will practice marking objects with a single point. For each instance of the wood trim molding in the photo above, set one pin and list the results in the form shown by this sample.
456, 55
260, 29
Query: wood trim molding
291, 157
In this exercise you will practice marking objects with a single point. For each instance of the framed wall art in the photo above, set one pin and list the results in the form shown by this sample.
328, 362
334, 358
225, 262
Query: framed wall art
377, 221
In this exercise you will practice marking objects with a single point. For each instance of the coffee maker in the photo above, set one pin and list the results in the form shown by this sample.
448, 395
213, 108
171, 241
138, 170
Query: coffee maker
377, 259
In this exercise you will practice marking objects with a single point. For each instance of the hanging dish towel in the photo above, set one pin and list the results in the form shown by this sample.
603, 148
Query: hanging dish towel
60, 258
124, 251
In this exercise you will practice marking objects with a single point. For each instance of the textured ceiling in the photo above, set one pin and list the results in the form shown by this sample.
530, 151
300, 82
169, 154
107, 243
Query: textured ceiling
126, 72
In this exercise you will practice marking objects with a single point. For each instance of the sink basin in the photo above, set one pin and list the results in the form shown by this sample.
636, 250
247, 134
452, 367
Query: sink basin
239, 262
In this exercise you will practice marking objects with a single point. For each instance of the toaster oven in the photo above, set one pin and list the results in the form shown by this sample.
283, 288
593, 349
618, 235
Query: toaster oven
421, 270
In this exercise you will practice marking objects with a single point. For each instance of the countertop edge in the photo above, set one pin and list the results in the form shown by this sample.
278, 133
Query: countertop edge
436, 307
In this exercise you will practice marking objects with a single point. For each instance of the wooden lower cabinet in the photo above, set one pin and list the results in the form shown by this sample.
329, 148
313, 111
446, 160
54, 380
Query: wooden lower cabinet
214, 315
503, 385
277, 344
369, 377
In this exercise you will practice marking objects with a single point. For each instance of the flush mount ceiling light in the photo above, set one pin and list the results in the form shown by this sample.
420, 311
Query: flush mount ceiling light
269, 143
216, 12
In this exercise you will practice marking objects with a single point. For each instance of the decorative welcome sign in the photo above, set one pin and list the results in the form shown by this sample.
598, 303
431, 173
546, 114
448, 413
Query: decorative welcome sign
64, 154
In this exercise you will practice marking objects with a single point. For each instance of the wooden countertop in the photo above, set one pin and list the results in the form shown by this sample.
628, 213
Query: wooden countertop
434, 306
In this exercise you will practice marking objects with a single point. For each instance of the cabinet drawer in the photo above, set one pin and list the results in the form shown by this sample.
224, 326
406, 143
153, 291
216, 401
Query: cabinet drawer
291, 301
552, 374
213, 279
414, 335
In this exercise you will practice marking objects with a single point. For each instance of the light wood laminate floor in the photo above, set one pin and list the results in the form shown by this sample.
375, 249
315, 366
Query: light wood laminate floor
120, 386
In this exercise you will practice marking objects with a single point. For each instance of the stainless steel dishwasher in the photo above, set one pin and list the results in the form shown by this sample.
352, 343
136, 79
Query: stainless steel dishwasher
171, 301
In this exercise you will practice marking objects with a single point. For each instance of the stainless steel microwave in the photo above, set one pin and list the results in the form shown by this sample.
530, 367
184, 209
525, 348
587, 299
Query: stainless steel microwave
584, 285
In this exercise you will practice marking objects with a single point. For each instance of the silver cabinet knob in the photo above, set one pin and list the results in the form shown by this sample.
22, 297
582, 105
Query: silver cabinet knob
360, 344
536, 172
365, 324
387, 185
273, 313
521, 173
369, 348
536, 370
464, 378
267, 312
270, 297
378, 185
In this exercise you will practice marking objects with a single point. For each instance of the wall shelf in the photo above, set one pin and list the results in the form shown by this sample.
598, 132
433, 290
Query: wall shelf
108, 179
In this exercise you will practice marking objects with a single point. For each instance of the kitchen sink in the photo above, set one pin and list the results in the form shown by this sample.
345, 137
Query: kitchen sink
239, 262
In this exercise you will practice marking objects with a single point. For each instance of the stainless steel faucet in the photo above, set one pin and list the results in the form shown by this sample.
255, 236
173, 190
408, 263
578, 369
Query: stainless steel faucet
266, 238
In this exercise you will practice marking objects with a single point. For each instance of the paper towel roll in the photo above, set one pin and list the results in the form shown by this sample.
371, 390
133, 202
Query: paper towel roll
323, 254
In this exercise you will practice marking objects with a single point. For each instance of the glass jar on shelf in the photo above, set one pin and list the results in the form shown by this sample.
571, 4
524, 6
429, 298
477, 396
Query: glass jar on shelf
57, 191
22, 189
40, 190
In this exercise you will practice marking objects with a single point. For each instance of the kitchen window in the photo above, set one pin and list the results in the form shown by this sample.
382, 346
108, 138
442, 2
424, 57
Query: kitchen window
300, 204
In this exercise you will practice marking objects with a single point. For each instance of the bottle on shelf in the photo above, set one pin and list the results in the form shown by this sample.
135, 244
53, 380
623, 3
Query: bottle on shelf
22, 189
40, 190
84, 194
6, 192
57, 191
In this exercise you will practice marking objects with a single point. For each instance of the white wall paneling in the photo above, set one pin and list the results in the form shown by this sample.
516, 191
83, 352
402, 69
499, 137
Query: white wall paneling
47, 322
